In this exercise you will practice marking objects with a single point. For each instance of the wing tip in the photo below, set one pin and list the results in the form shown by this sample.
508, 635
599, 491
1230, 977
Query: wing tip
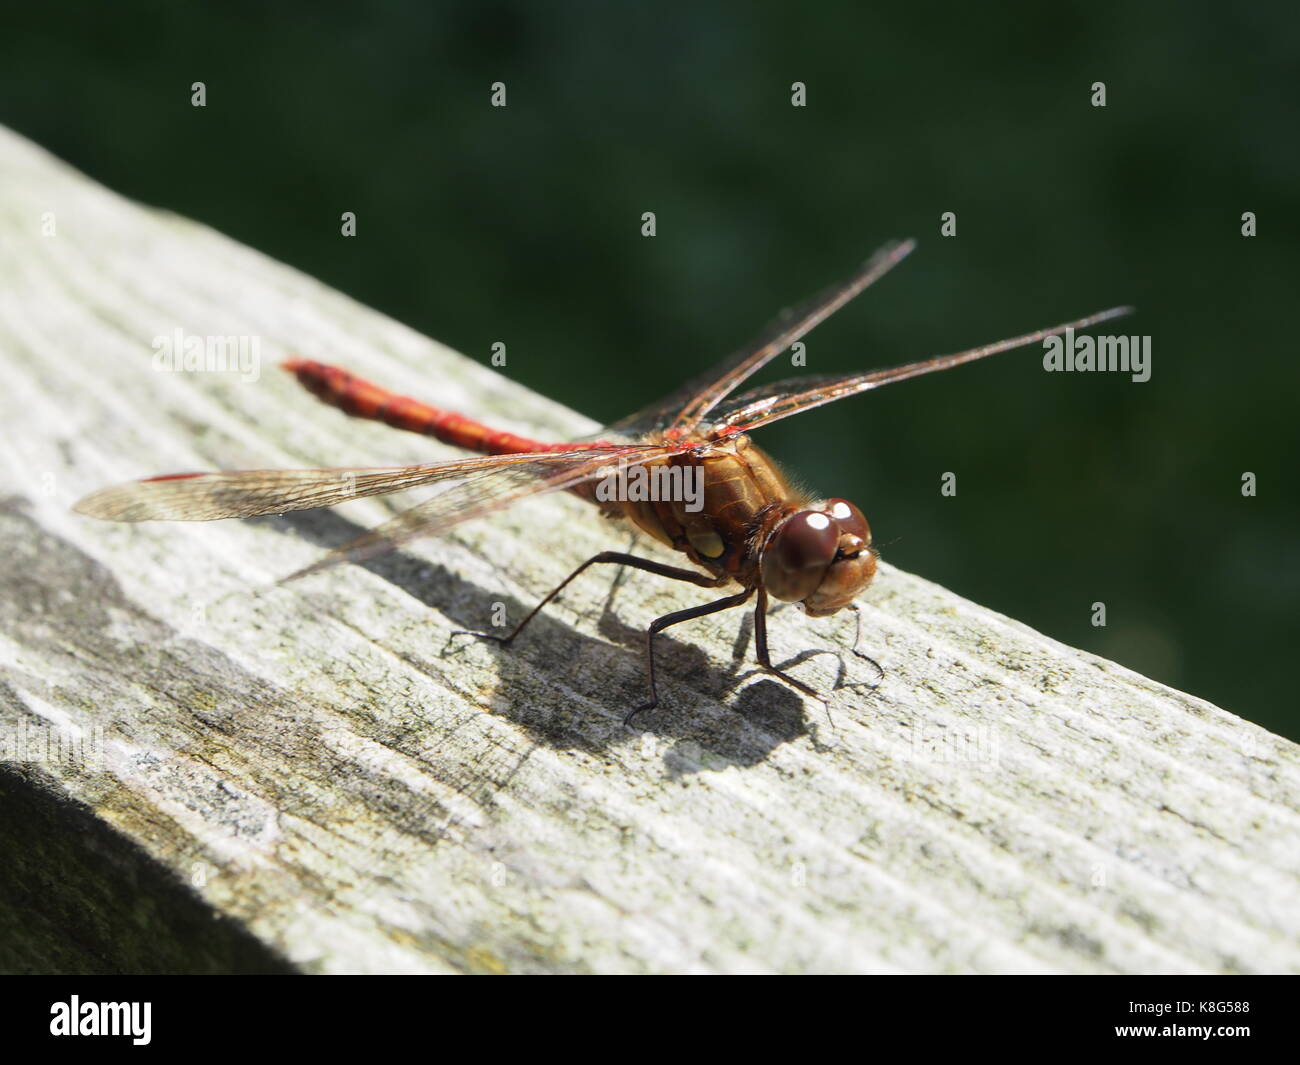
105, 505
331, 559
86, 505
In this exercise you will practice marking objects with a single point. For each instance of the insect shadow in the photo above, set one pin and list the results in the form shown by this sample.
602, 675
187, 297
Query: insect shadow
553, 653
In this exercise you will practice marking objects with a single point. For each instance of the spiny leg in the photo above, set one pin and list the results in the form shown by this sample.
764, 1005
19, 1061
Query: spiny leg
765, 659
857, 638
677, 573
675, 618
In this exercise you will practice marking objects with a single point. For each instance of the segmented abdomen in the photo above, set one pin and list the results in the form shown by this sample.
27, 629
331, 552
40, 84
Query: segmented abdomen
360, 398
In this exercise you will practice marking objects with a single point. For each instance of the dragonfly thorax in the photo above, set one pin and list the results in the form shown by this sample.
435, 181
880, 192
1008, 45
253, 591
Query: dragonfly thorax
740, 491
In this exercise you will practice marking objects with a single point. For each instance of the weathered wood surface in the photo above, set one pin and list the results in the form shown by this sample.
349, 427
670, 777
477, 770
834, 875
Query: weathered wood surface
308, 776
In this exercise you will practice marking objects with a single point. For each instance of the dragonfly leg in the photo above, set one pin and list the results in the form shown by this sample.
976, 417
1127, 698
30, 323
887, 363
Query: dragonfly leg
765, 659
675, 618
619, 558
857, 639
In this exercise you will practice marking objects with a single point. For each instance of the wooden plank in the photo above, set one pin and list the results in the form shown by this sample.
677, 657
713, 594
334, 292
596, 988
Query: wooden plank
318, 773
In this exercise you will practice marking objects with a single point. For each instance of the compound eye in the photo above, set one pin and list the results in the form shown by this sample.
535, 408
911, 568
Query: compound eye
807, 540
849, 518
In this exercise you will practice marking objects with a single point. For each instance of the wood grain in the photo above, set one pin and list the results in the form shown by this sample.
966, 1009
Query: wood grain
314, 776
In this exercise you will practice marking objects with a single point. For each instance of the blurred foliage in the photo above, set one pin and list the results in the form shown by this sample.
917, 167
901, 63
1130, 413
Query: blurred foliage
522, 224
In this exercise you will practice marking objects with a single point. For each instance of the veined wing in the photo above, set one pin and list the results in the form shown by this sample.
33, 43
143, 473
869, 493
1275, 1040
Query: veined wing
685, 408
247, 493
762, 406
481, 495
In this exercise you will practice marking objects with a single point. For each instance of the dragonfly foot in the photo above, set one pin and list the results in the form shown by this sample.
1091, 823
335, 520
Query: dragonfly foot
503, 640
874, 664
627, 720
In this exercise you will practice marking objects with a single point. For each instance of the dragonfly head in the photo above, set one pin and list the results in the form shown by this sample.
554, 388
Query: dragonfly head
821, 557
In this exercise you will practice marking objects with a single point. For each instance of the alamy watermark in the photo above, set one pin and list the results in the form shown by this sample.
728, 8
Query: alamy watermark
82, 748
190, 353
129, 1019
652, 483
967, 745
1117, 354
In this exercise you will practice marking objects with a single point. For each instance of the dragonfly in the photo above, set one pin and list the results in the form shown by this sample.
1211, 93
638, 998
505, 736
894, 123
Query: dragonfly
748, 529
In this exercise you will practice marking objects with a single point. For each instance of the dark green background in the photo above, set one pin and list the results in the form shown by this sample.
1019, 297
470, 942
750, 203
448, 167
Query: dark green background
522, 225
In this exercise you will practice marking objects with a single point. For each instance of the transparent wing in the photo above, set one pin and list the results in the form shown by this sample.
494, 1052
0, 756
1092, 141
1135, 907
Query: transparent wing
483, 495
685, 408
771, 403
247, 493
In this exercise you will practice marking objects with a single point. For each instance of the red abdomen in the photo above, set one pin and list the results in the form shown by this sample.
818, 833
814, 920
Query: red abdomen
362, 399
